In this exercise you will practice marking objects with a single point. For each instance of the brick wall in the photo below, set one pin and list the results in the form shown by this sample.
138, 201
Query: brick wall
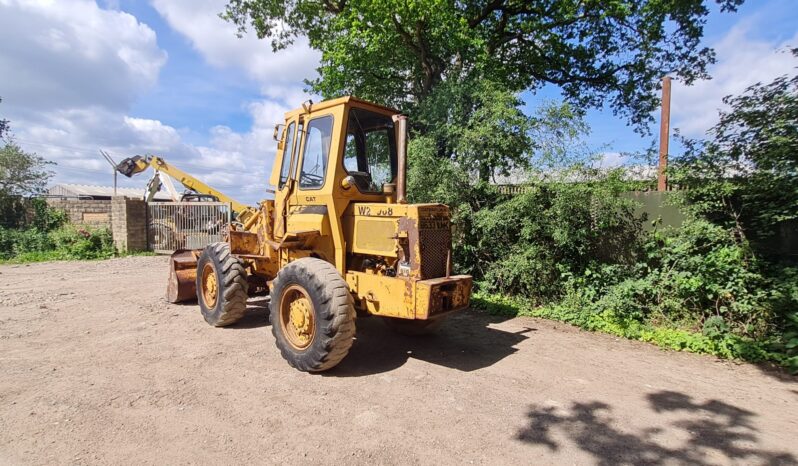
129, 224
84, 211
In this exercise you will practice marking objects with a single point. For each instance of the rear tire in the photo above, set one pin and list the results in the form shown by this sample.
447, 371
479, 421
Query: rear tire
413, 327
312, 315
222, 287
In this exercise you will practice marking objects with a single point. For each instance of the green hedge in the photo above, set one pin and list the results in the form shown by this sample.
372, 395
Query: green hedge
47, 236
67, 242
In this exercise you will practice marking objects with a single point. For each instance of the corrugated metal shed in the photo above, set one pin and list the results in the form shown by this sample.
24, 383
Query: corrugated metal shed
86, 191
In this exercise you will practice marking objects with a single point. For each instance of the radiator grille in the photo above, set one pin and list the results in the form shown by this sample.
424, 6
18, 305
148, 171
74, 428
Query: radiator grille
434, 248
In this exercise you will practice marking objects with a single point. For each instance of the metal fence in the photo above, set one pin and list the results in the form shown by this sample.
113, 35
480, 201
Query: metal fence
186, 225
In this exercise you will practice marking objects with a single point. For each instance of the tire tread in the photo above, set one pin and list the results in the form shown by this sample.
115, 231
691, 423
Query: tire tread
336, 308
234, 286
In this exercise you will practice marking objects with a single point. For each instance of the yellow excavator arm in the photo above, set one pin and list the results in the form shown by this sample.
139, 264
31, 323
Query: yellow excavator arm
137, 164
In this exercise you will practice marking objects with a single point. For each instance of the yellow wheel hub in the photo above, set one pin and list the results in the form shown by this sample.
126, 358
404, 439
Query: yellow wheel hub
297, 317
210, 287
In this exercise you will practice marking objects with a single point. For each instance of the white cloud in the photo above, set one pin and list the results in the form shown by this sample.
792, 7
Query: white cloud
611, 160
236, 163
216, 40
741, 62
71, 71
65, 54
153, 131
248, 157
280, 75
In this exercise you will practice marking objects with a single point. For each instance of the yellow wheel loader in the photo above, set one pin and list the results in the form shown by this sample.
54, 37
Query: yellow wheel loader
338, 239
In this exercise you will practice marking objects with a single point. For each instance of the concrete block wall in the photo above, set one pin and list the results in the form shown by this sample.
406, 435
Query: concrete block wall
129, 224
84, 211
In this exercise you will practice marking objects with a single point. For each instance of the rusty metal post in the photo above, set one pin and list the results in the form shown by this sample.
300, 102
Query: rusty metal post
664, 134
400, 122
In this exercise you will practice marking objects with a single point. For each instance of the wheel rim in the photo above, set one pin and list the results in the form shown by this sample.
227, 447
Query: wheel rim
297, 317
210, 287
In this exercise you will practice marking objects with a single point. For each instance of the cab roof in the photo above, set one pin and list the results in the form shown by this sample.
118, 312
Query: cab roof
343, 101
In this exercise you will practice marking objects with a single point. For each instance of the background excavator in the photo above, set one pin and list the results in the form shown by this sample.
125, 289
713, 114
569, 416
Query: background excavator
338, 237
197, 190
169, 232
181, 285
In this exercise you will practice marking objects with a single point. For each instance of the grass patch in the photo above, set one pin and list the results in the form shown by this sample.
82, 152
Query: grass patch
65, 242
47, 256
721, 344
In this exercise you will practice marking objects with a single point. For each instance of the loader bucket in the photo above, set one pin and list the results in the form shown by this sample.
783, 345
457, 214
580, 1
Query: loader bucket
182, 284
130, 166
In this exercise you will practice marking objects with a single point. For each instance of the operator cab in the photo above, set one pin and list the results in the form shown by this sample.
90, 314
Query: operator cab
197, 197
344, 145
370, 151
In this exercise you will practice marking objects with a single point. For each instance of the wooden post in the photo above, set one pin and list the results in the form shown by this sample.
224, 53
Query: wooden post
664, 134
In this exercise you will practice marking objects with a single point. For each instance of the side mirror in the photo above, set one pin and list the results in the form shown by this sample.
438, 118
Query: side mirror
278, 130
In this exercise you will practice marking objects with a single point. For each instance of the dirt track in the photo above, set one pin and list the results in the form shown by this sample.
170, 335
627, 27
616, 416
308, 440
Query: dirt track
95, 367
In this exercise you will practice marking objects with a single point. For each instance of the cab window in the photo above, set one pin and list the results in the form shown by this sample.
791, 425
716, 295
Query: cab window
370, 152
294, 166
316, 153
287, 151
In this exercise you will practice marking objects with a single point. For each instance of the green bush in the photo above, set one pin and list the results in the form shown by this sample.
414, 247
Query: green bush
83, 242
695, 289
703, 271
49, 237
45, 218
32, 240
8, 237
721, 344
530, 244
572, 249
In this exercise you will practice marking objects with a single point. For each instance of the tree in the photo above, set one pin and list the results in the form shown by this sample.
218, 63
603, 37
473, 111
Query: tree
21, 174
746, 176
4, 128
479, 125
486, 131
398, 52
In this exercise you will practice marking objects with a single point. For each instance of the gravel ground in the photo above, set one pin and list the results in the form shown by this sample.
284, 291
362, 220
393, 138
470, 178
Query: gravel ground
97, 368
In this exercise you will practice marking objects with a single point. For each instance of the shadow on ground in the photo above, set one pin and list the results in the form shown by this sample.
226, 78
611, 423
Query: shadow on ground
713, 432
465, 342
257, 314
779, 373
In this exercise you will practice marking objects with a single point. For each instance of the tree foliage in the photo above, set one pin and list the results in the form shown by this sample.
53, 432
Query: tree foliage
573, 249
528, 244
398, 52
4, 127
746, 176
21, 173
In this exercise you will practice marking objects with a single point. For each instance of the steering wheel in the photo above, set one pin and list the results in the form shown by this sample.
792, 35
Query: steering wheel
310, 178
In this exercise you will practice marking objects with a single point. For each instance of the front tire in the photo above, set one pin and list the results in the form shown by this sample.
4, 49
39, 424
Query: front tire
222, 287
312, 315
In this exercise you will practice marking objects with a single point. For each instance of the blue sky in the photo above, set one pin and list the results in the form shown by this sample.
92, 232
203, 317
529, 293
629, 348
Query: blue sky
169, 77
768, 26
190, 92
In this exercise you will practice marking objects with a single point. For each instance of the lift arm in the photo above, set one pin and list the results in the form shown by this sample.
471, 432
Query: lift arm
135, 165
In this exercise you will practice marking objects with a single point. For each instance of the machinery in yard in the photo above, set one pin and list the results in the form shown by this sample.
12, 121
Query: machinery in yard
197, 190
338, 238
182, 224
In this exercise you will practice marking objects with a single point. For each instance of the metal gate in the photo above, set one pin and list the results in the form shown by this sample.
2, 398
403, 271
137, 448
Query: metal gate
186, 225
